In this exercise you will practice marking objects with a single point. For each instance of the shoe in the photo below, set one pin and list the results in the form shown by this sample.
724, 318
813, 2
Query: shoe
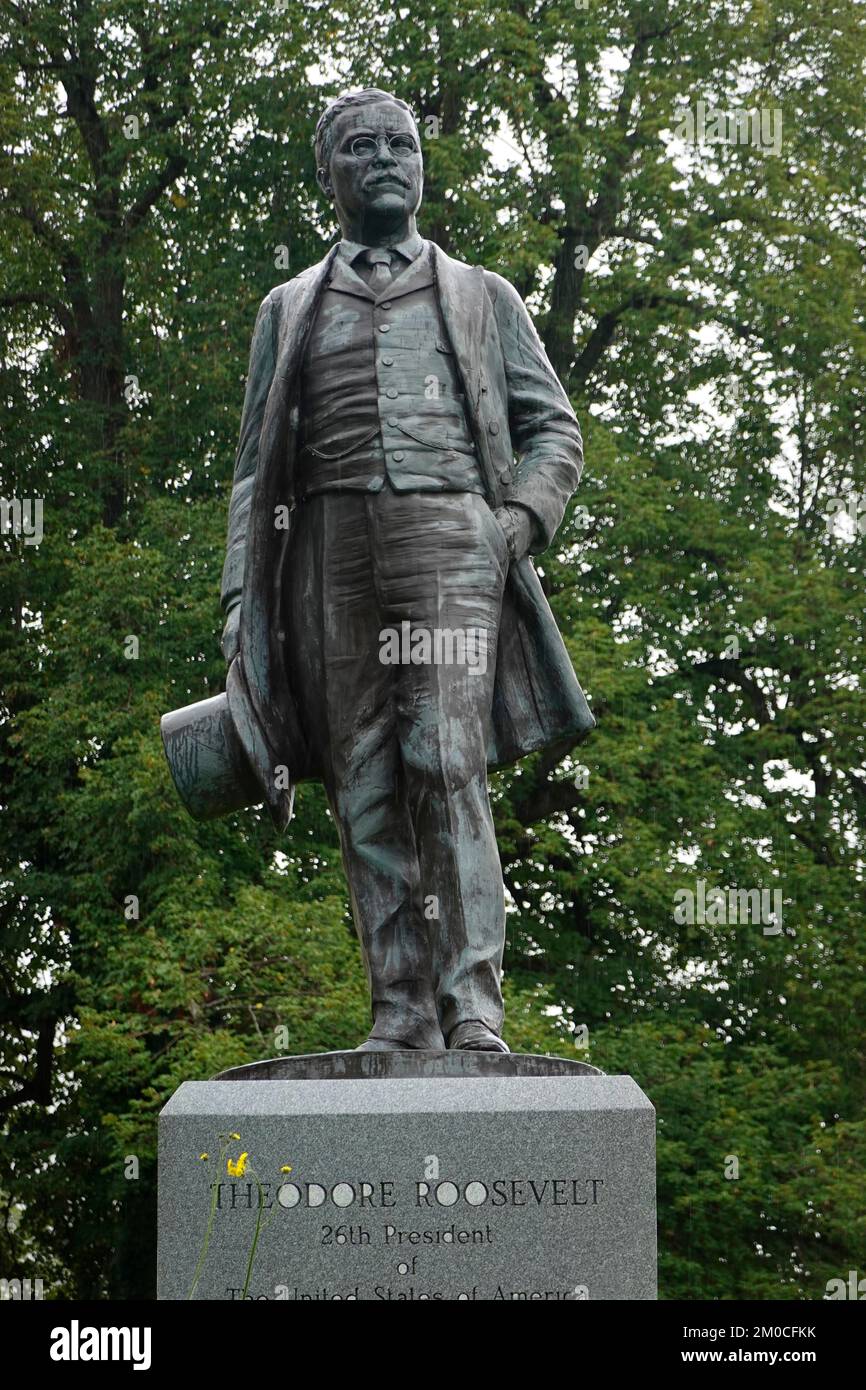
385, 1045
475, 1036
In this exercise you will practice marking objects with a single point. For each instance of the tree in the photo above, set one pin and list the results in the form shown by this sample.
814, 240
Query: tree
702, 303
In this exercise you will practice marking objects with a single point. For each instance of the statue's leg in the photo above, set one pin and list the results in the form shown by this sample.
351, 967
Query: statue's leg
346, 700
442, 561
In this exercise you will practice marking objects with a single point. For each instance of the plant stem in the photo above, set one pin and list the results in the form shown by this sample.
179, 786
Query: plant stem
210, 1224
255, 1234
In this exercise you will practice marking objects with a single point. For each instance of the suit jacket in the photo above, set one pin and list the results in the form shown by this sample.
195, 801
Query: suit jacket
516, 407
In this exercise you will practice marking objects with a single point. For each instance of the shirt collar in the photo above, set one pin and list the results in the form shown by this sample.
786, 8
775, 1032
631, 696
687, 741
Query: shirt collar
410, 249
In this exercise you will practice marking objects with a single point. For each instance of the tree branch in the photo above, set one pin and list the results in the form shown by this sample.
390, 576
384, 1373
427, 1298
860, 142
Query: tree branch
12, 301
172, 169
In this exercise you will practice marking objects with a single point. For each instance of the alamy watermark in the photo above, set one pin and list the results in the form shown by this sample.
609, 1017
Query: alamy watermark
439, 646
21, 1290
854, 1287
849, 505
713, 125
77, 1343
729, 907
22, 516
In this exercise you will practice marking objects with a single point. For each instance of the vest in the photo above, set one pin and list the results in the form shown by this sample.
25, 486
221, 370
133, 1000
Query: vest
381, 397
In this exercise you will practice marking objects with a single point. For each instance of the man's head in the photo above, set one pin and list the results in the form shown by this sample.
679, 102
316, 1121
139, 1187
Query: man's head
369, 162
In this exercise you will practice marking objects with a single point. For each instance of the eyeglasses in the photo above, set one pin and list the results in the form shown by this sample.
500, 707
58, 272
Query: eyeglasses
367, 146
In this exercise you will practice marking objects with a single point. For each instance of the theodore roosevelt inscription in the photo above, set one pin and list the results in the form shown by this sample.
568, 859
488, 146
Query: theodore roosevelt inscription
352, 1214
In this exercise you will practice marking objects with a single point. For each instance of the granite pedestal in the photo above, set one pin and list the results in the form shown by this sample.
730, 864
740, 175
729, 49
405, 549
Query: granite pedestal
414, 1176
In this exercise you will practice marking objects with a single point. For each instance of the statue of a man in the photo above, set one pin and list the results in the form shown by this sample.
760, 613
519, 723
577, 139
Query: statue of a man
405, 445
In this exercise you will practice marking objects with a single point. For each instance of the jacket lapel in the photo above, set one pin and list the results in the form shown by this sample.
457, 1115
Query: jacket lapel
299, 304
465, 307
346, 278
414, 276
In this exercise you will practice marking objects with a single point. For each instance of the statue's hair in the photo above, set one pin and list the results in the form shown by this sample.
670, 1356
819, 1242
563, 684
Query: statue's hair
325, 127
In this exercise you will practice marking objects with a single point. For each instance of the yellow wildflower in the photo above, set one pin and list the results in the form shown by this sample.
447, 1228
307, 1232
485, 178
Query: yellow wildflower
237, 1170
204, 1156
286, 1168
234, 1136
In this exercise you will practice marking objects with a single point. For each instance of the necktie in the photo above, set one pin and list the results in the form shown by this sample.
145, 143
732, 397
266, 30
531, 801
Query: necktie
380, 261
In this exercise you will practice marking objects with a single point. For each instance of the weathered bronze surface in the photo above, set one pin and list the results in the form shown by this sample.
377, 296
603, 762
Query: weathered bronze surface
405, 446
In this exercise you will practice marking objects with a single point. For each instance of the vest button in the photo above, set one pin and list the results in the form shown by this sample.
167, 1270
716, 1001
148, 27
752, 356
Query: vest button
384, 328
493, 427
392, 393
392, 422
387, 361
398, 456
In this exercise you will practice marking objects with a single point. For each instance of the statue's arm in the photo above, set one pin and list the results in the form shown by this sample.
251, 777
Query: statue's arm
259, 378
544, 429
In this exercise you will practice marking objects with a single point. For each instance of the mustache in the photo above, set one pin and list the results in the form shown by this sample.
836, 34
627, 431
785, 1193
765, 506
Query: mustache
386, 178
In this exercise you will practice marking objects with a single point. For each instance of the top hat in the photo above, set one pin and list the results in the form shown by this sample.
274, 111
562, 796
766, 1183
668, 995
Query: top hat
207, 761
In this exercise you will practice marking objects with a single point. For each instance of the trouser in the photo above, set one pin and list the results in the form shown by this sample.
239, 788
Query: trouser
402, 743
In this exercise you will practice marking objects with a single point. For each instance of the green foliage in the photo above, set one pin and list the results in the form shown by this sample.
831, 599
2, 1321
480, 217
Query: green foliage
705, 307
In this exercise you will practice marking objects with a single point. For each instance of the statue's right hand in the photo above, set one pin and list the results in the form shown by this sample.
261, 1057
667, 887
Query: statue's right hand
231, 636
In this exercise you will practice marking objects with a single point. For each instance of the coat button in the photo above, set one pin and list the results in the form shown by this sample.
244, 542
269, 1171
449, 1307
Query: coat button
505, 475
387, 361
386, 305
392, 393
384, 328
392, 422
398, 456
493, 427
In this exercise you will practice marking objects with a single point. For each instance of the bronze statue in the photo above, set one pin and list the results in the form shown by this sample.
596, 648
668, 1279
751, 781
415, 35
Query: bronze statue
405, 446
